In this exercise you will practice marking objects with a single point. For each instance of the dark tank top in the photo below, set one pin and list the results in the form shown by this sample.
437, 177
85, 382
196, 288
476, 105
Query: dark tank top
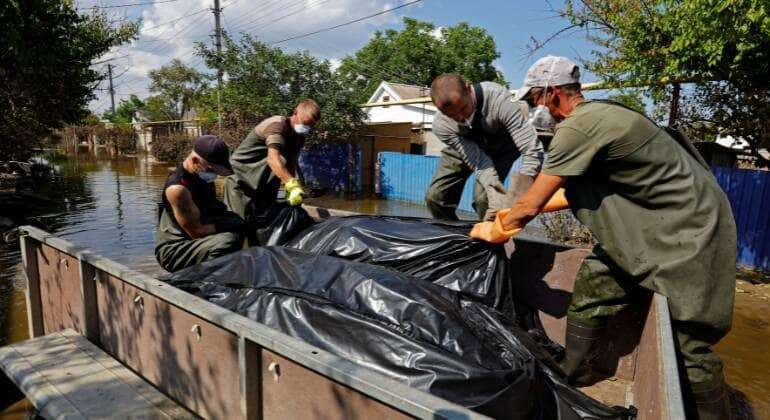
203, 194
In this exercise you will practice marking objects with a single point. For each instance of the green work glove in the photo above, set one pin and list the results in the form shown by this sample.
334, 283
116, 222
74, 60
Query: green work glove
294, 192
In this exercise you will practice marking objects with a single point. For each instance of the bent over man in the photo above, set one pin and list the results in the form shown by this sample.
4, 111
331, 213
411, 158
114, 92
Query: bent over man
267, 158
485, 131
193, 225
661, 220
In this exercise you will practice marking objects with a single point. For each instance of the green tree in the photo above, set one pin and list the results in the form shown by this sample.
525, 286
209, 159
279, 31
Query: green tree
631, 98
718, 46
178, 86
264, 81
46, 70
125, 110
417, 54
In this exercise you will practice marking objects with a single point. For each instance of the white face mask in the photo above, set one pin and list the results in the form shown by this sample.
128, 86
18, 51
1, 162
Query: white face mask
207, 176
301, 128
541, 117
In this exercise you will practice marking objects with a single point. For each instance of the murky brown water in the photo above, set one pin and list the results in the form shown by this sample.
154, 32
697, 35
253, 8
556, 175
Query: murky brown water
109, 205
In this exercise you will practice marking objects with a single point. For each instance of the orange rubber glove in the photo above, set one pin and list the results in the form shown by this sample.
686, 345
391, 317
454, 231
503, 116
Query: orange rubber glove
557, 202
494, 232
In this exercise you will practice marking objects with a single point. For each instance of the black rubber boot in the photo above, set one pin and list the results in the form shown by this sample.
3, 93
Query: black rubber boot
580, 339
712, 403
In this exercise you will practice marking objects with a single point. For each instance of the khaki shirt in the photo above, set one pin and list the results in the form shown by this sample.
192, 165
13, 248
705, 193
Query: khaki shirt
656, 211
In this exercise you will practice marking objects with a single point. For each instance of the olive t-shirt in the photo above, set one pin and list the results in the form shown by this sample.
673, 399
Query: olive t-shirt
656, 211
249, 159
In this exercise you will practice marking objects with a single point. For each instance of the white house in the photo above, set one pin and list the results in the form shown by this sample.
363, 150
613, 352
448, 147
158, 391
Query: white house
420, 115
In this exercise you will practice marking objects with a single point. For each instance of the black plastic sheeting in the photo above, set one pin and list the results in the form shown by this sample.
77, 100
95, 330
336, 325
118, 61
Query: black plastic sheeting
439, 252
416, 332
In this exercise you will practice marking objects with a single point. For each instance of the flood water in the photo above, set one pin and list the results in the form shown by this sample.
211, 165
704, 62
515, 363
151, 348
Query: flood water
108, 204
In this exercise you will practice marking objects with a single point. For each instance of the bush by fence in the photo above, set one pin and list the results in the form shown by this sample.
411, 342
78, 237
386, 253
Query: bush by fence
173, 147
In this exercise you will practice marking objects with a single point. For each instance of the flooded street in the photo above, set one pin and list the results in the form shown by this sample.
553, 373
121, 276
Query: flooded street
109, 205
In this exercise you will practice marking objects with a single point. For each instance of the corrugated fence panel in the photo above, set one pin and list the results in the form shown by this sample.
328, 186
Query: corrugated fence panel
329, 165
406, 177
749, 195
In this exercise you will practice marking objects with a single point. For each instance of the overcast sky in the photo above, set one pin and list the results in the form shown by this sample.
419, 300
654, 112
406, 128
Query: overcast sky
171, 27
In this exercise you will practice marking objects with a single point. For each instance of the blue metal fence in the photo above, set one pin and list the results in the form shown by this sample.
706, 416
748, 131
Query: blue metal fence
749, 194
406, 178
335, 166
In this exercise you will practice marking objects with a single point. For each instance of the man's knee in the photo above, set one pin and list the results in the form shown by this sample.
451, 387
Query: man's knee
225, 243
433, 197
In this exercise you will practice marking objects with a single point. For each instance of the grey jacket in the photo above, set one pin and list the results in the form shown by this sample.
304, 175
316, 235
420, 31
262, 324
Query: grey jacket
501, 120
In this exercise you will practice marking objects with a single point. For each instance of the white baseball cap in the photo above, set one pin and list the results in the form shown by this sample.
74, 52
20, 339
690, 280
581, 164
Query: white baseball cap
549, 70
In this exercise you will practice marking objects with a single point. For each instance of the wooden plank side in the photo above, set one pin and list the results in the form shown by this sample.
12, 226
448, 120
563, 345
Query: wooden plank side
647, 388
249, 359
29, 250
290, 391
90, 312
192, 360
64, 375
60, 290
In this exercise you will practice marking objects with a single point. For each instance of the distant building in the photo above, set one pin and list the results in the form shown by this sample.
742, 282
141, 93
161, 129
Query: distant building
419, 115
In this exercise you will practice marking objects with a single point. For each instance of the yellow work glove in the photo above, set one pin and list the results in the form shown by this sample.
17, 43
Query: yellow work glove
493, 231
294, 192
557, 202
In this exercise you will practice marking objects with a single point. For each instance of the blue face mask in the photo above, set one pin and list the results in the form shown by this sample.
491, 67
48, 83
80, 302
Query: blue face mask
301, 129
207, 176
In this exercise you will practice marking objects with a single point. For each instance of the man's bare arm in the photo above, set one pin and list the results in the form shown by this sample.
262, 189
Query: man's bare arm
187, 213
276, 162
533, 201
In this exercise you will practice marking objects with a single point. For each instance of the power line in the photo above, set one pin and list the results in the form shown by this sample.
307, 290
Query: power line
126, 5
345, 23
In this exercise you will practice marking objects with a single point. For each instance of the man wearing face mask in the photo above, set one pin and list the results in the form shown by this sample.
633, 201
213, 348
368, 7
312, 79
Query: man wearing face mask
485, 131
661, 220
267, 158
193, 225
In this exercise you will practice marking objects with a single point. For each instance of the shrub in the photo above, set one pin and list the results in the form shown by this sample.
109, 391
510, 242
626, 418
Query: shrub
173, 147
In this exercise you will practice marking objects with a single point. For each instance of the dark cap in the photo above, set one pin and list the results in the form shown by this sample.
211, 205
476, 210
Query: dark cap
214, 150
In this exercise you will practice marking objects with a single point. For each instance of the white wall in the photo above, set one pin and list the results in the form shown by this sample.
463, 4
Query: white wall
401, 113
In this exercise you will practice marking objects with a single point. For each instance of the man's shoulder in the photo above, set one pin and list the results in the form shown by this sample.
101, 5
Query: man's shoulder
272, 125
444, 124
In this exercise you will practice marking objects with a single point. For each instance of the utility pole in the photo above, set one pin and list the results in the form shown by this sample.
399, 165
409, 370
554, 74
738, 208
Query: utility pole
218, 43
112, 91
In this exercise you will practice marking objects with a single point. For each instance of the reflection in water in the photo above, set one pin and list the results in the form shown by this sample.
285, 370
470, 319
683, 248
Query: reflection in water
109, 205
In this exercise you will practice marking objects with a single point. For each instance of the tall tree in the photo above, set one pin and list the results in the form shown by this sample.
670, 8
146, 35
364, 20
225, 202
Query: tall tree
418, 53
125, 110
178, 86
263, 81
46, 70
721, 47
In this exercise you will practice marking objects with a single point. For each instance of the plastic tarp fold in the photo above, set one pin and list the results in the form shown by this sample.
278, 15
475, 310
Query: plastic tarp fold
417, 332
439, 252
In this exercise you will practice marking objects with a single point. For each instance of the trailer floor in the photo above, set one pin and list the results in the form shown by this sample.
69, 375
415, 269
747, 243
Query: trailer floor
611, 391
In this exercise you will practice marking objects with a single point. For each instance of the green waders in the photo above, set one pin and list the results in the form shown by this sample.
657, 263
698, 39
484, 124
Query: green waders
602, 290
447, 185
175, 251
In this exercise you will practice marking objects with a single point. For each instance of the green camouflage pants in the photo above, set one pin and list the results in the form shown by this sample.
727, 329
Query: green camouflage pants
602, 289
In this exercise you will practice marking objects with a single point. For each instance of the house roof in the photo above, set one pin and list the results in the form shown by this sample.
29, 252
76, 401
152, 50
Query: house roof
409, 91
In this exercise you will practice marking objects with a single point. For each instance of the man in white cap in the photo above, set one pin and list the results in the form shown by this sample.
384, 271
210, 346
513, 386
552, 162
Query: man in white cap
485, 131
661, 220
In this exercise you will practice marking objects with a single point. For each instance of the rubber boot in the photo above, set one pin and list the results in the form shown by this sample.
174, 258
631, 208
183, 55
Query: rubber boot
579, 341
712, 403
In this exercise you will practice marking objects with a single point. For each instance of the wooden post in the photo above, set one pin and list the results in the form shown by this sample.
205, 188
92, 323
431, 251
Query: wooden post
250, 377
88, 297
32, 280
